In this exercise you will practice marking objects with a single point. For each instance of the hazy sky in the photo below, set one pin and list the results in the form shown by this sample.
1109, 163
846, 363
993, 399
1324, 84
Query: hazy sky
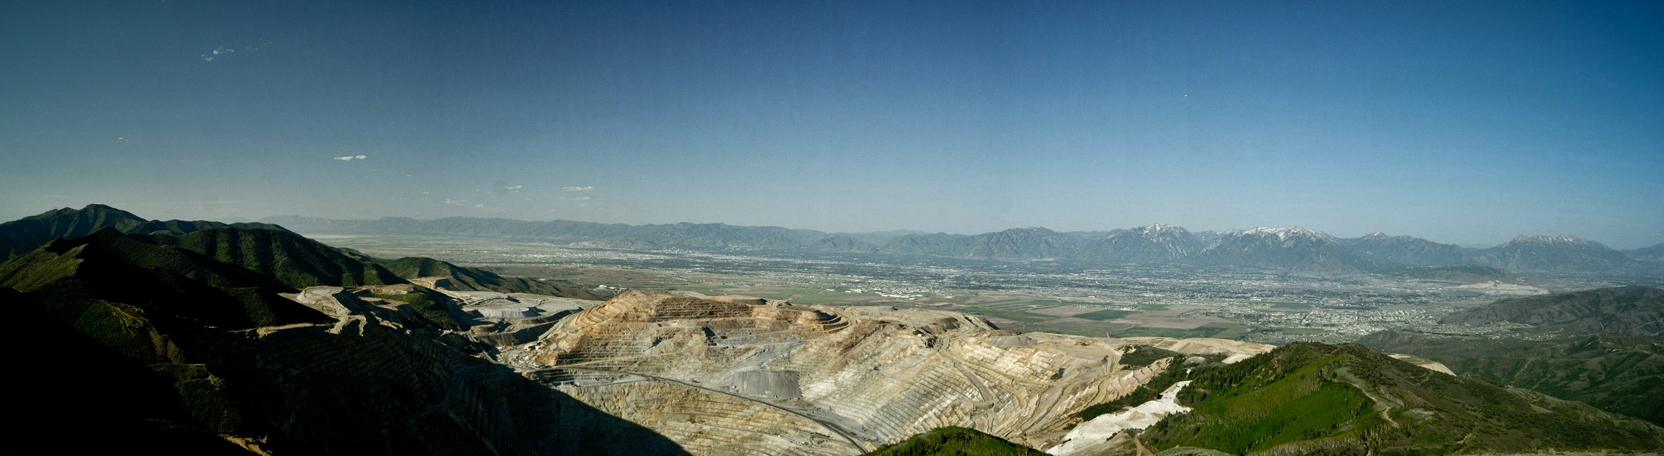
1461, 122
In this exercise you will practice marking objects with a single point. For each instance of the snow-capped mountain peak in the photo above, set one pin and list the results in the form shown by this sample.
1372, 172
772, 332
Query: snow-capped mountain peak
1285, 233
1564, 239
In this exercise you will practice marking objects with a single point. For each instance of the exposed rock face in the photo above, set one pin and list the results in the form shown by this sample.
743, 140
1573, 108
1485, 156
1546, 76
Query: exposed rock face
733, 378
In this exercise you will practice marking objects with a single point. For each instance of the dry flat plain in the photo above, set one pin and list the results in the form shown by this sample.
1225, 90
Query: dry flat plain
1088, 300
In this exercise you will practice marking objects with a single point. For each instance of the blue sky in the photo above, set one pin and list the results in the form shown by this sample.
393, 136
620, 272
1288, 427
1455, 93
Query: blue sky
1461, 122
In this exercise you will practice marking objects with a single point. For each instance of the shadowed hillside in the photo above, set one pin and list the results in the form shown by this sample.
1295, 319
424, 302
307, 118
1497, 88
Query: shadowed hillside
475, 279
187, 353
296, 261
20, 236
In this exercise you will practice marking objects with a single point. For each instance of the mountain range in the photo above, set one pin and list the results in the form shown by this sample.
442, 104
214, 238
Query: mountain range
197, 337
1290, 249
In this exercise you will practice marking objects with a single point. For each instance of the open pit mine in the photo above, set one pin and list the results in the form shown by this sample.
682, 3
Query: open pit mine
205, 338
729, 375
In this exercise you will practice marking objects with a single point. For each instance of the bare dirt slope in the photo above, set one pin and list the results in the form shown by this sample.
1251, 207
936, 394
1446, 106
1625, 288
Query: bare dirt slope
730, 377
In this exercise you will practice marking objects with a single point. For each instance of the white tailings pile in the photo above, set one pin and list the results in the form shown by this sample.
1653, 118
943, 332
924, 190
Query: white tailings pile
1105, 426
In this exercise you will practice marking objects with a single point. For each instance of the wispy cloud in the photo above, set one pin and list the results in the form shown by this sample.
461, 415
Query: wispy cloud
223, 51
581, 198
512, 187
578, 189
217, 52
346, 158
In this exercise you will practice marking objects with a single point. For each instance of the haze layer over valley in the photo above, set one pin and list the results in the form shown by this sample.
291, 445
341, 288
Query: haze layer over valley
1268, 285
235, 338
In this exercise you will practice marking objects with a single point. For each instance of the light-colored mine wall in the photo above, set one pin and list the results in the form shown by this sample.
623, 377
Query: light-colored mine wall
878, 376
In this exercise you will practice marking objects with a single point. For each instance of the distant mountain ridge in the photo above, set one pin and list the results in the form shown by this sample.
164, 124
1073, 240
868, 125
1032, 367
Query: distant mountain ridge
1604, 346
1154, 244
1382, 248
1289, 249
264, 248
1653, 254
1623, 311
20, 236
1553, 254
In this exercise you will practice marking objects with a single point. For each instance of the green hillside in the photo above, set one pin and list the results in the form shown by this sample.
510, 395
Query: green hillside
117, 289
954, 441
1623, 311
1313, 398
1618, 374
296, 261
23, 235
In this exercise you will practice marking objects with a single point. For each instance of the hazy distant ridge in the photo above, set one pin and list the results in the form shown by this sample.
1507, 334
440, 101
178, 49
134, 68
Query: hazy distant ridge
1289, 249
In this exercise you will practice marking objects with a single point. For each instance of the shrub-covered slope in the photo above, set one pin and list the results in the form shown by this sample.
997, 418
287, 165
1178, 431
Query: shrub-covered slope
23, 235
1623, 311
1348, 399
954, 441
1614, 373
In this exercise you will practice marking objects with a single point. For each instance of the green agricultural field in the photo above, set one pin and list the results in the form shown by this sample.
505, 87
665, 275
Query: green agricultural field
1229, 330
1106, 314
1298, 331
1142, 331
1082, 328
1054, 303
1018, 315
811, 295
1217, 330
